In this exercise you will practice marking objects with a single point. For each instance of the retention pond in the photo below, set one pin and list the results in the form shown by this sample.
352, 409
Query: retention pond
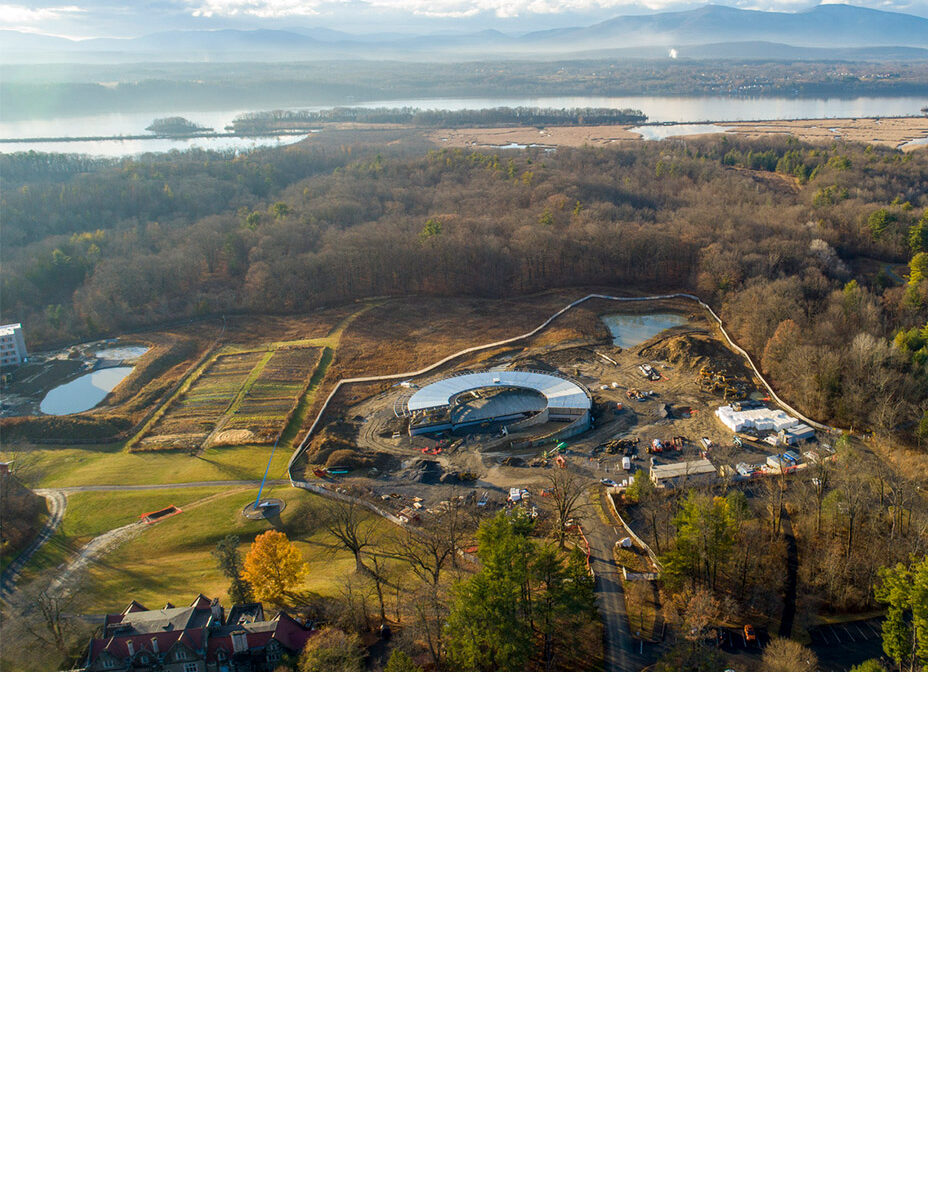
631, 329
86, 392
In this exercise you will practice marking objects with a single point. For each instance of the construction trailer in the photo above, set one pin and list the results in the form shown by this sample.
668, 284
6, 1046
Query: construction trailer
800, 432
682, 474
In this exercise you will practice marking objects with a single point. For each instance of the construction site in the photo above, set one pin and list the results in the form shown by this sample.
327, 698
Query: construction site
502, 419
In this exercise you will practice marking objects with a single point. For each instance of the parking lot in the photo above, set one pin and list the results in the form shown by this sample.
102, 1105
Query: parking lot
840, 647
733, 641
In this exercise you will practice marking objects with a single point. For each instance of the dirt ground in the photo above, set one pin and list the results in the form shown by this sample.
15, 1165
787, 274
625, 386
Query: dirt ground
406, 335
881, 131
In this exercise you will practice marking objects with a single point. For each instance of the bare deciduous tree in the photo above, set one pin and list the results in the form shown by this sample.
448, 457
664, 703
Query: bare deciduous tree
566, 493
46, 622
349, 527
430, 549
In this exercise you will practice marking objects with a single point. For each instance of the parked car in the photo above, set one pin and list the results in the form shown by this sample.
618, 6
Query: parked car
608, 483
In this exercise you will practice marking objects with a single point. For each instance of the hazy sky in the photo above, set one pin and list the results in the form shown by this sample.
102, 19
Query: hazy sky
122, 17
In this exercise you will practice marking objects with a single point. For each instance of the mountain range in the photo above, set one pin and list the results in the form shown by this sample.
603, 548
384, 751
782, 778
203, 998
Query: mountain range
712, 31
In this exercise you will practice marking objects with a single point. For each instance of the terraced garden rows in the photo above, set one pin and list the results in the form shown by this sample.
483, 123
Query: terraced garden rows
271, 399
199, 407
240, 398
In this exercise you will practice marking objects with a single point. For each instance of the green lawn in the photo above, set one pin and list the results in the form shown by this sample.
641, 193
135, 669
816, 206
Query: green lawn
92, 513
173, 560
93, 465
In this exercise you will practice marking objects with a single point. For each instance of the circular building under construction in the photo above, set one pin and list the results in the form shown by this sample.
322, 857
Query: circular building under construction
522, 399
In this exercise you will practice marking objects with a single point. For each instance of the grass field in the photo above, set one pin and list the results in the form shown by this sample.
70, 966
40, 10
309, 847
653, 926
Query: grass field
88, 467
645, 615
91, 513
173, 560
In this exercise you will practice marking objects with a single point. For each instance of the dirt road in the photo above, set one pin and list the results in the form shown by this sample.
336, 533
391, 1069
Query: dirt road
66, 580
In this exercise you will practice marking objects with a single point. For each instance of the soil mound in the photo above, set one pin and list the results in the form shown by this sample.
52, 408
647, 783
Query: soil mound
347, 459
692, 350
424, 471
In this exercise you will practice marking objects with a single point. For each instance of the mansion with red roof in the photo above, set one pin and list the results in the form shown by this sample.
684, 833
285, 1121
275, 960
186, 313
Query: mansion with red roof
197, 638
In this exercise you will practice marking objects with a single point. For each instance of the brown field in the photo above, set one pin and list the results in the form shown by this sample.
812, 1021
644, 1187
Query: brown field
881, 131
200, 405
396, 338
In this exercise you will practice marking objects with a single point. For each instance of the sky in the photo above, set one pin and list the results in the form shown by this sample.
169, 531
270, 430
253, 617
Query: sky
111, 18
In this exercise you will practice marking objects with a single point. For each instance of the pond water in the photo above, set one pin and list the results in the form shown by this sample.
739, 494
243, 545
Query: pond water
678, 109
630, 329
653, 133
86, 392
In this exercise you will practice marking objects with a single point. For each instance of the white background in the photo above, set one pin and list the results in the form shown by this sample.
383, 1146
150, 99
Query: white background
459, 937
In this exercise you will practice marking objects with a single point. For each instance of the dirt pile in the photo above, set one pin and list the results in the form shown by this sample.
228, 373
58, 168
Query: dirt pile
692, 350
336, 447
425, 470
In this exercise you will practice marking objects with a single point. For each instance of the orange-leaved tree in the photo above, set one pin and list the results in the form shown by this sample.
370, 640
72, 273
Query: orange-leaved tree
274, 567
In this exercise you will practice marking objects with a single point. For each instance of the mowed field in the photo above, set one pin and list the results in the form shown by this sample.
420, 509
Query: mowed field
173, 559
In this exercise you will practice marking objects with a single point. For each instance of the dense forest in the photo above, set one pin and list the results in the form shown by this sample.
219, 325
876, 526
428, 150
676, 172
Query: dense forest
279, 120
817, 258
75, 89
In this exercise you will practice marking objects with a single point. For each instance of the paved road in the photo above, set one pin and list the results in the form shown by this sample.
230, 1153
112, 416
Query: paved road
57, 502
610, 598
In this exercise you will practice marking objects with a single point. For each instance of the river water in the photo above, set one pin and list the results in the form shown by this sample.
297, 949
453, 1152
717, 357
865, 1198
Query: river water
682, 110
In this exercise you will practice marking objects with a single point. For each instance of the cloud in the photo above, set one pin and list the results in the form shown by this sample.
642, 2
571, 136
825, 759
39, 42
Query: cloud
341, 12
28, 19
262, 10
122, 18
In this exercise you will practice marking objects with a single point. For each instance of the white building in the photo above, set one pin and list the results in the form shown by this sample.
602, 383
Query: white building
770, 423
12, 346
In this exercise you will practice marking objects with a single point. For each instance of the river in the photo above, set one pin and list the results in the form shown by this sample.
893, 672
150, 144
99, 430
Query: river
684, 110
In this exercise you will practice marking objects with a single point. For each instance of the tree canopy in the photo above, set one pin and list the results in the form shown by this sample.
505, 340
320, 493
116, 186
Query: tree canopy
273, 567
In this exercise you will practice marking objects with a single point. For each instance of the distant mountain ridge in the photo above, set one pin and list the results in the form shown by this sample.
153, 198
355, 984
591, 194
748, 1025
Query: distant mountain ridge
829, 27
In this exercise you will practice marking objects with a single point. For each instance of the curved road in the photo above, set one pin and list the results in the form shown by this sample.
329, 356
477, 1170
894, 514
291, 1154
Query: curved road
57, 502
